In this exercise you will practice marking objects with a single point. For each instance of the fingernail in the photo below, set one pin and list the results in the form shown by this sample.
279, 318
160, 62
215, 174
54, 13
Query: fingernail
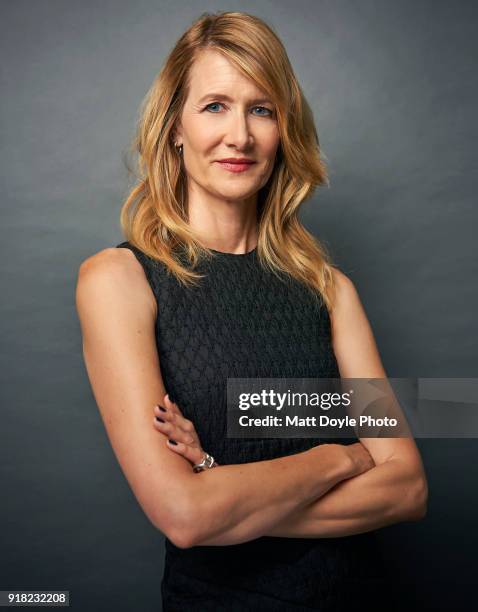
172, 442
160, 420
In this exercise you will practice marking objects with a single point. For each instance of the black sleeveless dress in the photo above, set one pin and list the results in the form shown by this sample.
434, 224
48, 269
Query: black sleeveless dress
243, 321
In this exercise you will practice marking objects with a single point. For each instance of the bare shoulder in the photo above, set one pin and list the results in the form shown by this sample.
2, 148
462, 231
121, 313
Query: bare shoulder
117, 272
123, 365
111, 261
346, 295
352, 336
339, 276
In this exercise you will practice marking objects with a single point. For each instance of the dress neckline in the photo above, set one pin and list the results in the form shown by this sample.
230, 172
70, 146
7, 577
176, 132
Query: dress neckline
224, 254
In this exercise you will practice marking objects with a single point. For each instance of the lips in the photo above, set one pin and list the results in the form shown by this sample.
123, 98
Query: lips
233, 165
237, 160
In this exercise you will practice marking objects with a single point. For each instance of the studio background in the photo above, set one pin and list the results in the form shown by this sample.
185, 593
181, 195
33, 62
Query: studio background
394, 92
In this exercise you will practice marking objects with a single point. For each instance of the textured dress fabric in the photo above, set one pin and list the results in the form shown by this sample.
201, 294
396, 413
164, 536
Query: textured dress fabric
244, 321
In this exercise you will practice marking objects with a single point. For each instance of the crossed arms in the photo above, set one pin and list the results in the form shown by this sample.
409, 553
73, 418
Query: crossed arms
327, 491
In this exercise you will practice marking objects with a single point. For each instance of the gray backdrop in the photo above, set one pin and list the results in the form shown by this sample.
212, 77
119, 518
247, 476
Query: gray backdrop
393, 88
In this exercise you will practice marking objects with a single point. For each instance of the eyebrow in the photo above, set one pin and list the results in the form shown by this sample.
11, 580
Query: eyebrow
220, 96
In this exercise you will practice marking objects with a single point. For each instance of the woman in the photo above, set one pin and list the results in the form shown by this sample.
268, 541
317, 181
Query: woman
218, 279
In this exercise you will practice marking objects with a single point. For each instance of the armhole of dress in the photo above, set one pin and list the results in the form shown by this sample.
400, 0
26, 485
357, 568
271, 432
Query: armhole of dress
146, 262
325, 313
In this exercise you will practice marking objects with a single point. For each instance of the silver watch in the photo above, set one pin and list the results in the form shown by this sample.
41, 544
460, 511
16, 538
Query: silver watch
206, 463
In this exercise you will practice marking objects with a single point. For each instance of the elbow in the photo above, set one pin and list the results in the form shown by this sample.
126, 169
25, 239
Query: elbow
197, 522
180, 525
181, 538
418, 500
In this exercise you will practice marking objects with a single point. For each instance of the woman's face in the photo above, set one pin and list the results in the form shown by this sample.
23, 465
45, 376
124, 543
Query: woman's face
226, 116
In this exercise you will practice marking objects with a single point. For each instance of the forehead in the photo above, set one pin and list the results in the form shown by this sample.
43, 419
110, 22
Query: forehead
212, 71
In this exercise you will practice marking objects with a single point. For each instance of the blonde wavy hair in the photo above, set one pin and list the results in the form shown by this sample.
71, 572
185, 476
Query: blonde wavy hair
154, 215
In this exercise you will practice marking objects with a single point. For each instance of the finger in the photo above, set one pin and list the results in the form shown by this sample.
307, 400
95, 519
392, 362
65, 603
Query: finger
169, 405
173, 414
171, 429
178, 420
192, 454
168, 416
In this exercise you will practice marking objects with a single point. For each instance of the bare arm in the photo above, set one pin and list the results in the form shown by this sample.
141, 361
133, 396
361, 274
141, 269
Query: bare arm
230, 504
396, 488
386, 494
237, 503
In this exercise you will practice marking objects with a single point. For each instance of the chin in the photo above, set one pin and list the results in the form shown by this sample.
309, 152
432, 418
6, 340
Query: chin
237, 193
236, 196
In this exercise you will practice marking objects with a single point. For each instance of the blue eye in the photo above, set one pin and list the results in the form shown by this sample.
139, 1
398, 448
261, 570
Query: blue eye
266, 109
213, 104
269, 112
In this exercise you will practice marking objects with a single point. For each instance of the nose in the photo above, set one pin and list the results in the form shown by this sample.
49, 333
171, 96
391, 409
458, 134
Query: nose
238, 131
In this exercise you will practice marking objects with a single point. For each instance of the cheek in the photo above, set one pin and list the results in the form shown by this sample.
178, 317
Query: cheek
269, 140
275, 140
201, 136
271, 154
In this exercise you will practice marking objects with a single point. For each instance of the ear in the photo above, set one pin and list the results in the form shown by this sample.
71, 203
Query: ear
177, 135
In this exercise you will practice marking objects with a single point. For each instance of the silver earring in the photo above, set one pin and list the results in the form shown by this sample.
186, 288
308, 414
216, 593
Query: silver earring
179, 148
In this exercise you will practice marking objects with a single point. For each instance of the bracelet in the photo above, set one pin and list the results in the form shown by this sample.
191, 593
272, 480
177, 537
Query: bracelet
207, 462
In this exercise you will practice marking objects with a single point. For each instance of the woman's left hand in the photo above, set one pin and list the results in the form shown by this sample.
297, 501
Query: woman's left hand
179, 430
